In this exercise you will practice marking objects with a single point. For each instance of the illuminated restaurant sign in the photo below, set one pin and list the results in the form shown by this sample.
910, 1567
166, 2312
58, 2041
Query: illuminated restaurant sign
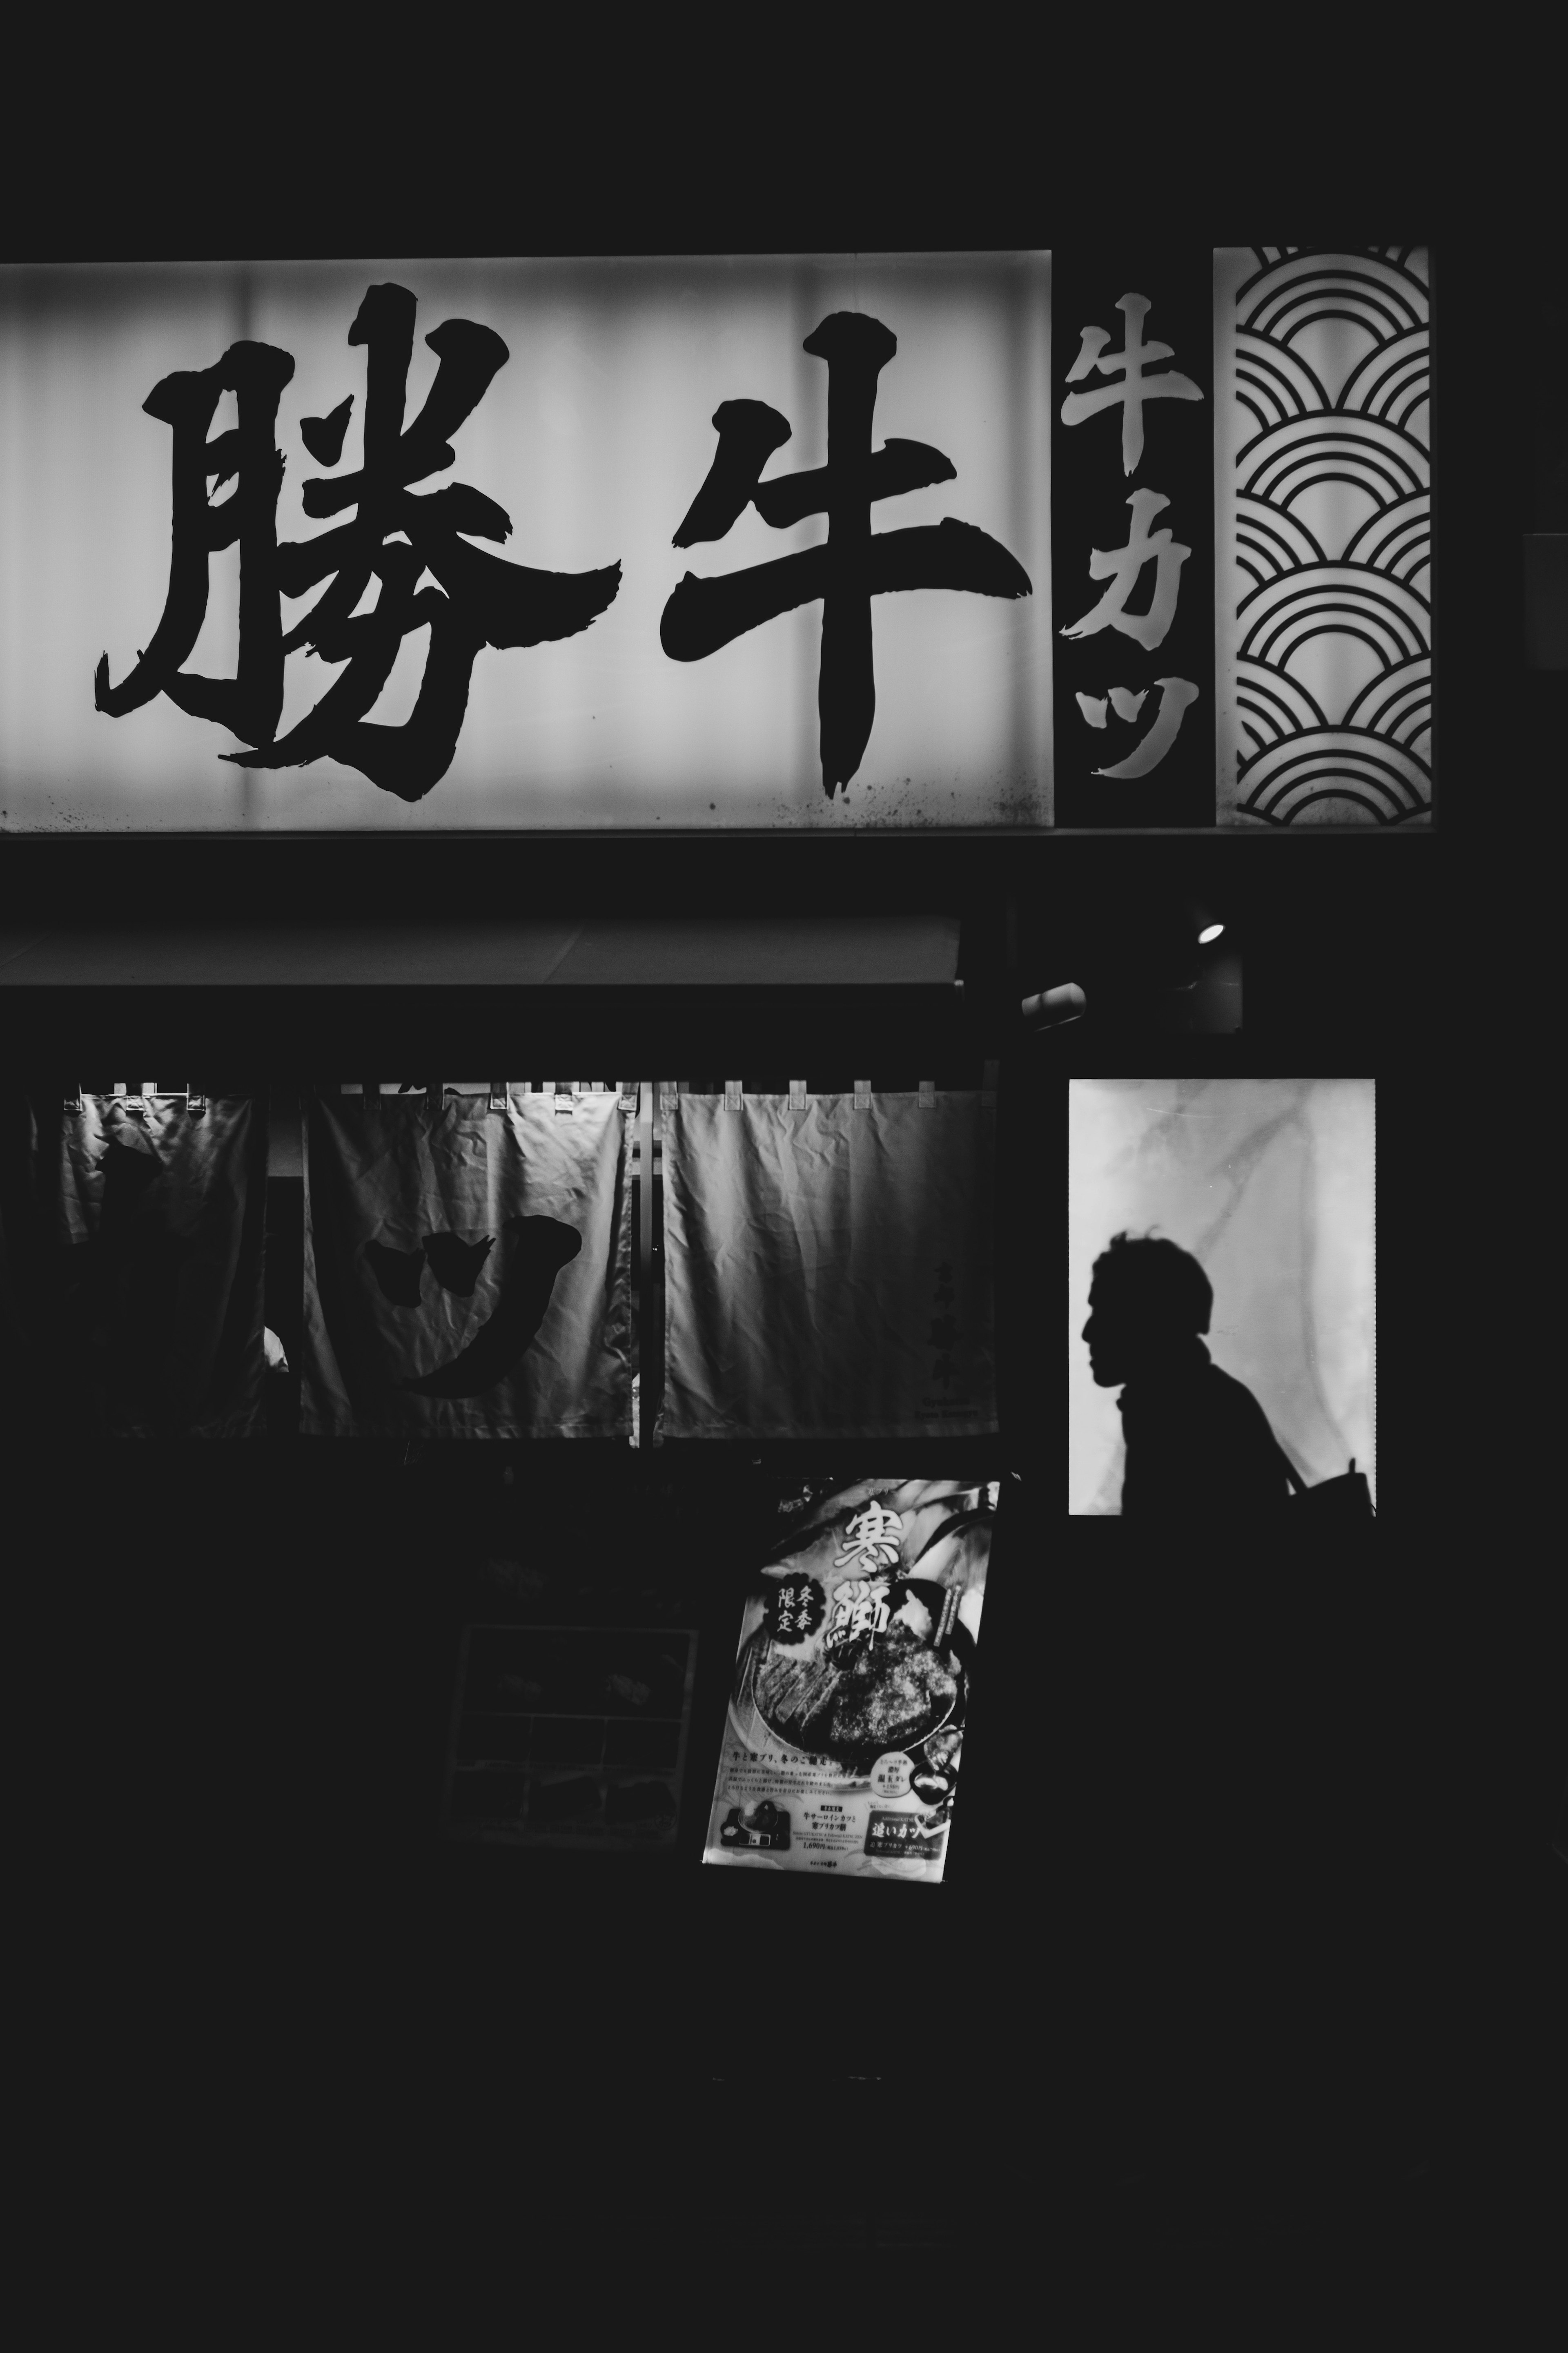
1094, 539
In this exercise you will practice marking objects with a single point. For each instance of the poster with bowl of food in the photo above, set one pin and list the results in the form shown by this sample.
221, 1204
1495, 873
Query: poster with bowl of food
853, 1675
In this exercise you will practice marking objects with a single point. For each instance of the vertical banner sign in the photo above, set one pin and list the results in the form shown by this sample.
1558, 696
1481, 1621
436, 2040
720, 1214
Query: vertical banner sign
1132, 430
1324, 517
852, 1683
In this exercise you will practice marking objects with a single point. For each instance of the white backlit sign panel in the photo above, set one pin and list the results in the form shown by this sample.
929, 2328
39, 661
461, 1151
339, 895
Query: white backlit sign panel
752, 543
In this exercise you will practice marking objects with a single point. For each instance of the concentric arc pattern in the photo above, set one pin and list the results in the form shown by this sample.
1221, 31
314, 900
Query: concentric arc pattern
1328, 600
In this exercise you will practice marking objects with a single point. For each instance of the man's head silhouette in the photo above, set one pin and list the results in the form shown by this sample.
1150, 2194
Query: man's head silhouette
1148, 1301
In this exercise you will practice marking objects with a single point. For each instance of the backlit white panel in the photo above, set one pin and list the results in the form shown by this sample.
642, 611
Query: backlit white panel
1270, 1184
595, 435
855, 638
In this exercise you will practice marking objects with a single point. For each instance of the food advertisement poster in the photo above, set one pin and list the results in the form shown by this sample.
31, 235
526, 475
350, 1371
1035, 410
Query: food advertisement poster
843, 1742
569, 1736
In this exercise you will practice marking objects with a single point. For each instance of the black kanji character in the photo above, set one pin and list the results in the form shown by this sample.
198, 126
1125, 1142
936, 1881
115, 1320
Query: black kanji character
250, 704
854, 564
395, 536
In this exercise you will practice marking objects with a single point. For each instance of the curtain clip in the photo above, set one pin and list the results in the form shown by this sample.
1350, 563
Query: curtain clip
797, 1094
74, 1103
499, 1098
196, 1099
627, 1095
732, 1094
928, 1094
862, 1094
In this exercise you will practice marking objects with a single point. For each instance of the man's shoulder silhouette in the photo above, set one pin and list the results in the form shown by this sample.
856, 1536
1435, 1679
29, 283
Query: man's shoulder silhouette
1201, 1448
1233, 1403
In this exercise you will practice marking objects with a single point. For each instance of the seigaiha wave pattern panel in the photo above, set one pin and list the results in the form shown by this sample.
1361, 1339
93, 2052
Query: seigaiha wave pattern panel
1323, 547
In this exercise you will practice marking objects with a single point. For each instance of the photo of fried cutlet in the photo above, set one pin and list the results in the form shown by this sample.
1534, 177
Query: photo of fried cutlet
857, 1702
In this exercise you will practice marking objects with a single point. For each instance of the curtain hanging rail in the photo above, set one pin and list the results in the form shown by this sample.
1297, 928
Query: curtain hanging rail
499, 1092
496, 1090
195, 1098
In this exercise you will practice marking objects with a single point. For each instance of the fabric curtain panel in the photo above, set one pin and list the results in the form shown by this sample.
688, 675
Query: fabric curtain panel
134, 1239
467, 1272
829, 1270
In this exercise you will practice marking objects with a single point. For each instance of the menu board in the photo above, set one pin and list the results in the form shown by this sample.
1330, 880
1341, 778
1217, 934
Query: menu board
844, 1738
569, 1736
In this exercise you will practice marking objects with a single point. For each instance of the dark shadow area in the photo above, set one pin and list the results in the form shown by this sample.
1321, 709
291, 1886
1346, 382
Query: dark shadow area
1240, 1937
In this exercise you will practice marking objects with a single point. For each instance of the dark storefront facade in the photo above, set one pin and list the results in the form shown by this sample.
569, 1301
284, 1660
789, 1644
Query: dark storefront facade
1021, 669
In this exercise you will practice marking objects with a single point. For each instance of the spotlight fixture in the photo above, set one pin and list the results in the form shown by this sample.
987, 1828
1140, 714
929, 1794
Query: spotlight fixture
1049, 1008
1207, 927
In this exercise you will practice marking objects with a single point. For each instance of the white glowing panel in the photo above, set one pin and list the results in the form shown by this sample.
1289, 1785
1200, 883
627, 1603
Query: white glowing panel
1269, 1184
1322, 476
850, 636
595, 434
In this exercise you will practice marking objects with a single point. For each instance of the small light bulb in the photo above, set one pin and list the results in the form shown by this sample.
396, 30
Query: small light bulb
1210, 931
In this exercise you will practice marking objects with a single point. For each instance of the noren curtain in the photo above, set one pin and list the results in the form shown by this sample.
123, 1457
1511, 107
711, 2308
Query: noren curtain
467, 1272
134, 1250
829, 1270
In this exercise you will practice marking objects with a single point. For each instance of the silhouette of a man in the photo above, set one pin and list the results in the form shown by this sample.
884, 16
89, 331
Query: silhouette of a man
1199, 1447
